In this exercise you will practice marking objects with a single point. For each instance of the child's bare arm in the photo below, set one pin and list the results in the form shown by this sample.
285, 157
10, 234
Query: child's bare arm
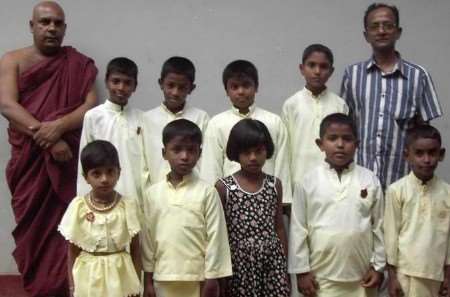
149, 290
394, 287
135, 251
72, 253
372, 278
210, 288
444, 289
279, 225
222, 190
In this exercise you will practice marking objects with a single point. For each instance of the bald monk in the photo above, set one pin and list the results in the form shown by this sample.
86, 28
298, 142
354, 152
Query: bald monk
45, 89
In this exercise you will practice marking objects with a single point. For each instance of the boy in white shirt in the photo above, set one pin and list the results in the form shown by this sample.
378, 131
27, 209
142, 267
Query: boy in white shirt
417, 221
185, 244
336, 240
176, 82
240, 79
120, 124
303, 111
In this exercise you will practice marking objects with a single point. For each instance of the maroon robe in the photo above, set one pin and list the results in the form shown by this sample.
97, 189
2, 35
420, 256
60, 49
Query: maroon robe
42, 188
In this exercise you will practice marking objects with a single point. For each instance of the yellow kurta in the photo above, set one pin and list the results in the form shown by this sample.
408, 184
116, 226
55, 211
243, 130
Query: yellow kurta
123, 128
302, 114
186, 236
111, 275
155, 120
417, 226
336, 225
214, 162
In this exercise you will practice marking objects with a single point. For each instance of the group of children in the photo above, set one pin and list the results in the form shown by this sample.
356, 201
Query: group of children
203, 216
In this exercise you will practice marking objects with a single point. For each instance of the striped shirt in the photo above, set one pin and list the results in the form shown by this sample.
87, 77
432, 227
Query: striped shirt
383, 104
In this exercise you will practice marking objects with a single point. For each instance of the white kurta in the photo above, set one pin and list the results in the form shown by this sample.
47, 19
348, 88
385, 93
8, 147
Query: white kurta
123, 128
302, 114
154, 121
214, 162
336, 224
185, 236
417, 227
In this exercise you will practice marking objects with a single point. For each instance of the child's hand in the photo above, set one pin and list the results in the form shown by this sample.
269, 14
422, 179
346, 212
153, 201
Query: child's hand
372, 279
223, 287
149, 290
443, 290
61, 151
210, 288
307, 284
394, 288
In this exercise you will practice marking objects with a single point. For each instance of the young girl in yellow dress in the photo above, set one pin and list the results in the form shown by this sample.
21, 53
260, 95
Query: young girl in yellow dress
102, 230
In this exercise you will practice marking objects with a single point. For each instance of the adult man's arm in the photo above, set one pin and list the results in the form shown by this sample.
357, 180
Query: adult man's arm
346, 92
10, 108
47, 133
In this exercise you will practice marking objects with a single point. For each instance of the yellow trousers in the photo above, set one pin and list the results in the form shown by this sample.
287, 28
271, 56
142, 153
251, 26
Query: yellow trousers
418, 287
329, 288
177, 289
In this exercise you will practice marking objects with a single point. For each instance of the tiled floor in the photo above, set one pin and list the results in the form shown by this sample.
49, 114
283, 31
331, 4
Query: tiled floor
11, 286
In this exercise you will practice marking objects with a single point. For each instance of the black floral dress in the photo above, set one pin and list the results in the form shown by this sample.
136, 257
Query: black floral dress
259, 264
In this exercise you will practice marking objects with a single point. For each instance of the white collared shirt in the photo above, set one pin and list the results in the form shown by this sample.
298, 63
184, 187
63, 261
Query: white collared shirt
185, 236
336, 224
417, 226
154, 121
302, 114
214, 162
122, 126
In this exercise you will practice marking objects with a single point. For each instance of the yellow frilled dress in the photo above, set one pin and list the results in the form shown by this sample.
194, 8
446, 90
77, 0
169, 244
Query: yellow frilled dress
104, 266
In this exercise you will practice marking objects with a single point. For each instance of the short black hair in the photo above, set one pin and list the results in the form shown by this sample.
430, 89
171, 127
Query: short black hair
122, 65
248, 133
318, 48
422, 131
98, 153
240, 69
375, 6
337, 118
183, 128
178, 65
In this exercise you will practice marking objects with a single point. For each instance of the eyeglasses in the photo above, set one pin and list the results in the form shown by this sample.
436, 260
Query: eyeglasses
386, 26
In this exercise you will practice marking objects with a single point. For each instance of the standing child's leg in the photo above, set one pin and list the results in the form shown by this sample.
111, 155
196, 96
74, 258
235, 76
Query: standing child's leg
177, 289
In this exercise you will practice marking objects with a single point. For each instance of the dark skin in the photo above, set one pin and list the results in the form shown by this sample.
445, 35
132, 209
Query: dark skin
182, 154
423, 156
252, 181
382, 33
445, 290
339, 144
48, 29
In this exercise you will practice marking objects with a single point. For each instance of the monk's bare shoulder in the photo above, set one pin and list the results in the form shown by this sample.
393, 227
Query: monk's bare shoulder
20, 59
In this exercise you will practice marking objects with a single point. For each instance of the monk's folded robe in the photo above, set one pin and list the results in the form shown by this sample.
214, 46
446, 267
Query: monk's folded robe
42, 188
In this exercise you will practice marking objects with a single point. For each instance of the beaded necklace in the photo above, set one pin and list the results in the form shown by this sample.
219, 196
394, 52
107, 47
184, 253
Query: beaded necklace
102, 209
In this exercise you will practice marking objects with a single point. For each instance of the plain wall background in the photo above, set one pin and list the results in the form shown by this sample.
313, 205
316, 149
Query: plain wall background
272, 34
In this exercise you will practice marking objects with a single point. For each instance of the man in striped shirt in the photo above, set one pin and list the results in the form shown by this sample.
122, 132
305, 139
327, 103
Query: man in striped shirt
386, 95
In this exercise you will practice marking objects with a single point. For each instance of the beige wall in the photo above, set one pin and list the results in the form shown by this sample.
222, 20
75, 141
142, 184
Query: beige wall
270, 33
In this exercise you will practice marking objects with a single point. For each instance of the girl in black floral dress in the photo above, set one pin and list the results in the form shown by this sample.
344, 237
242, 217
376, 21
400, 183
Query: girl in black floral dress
253, 210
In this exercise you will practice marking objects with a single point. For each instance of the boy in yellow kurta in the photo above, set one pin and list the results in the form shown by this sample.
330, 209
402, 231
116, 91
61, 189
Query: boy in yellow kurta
240, 80
177, 82
102, 230
303, 111
185, 242
417, 221
336, 239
